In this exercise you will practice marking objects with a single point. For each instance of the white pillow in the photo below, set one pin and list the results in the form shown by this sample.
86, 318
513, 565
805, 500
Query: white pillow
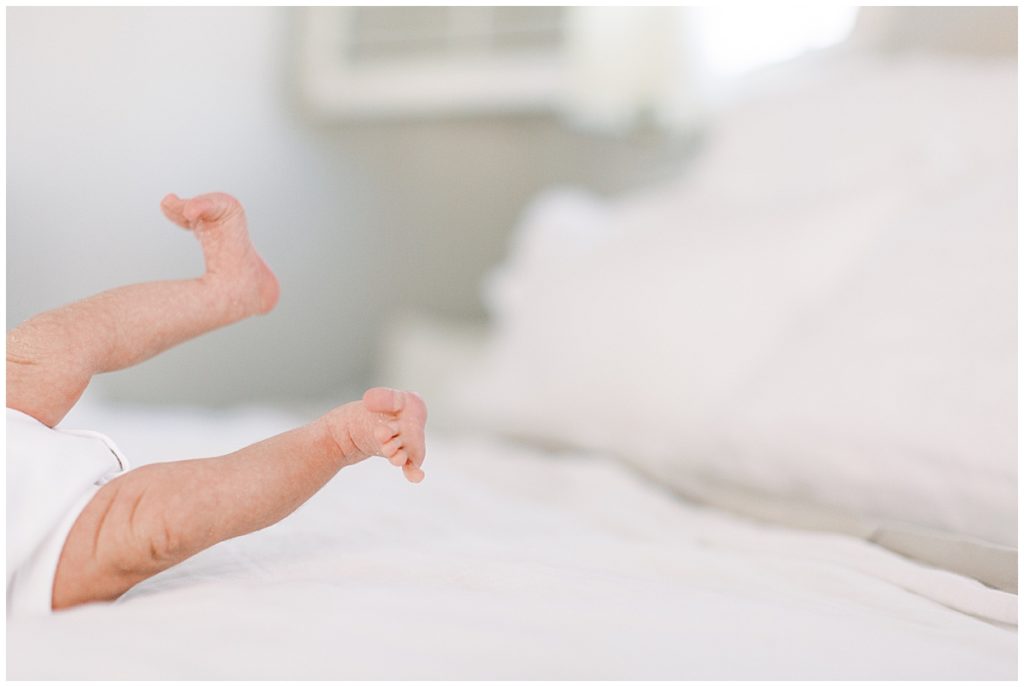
822, 311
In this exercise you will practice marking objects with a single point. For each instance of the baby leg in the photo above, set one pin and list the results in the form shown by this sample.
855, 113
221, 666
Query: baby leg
52, 356
158, 515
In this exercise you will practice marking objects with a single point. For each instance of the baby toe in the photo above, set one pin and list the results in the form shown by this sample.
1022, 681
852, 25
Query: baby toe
400, 458
384, 433
415, 448
415, 407
383, 400
413, 473
172, 206
196, 209
388, 448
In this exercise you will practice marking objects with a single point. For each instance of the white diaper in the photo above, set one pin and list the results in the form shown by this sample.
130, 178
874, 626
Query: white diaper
51, 475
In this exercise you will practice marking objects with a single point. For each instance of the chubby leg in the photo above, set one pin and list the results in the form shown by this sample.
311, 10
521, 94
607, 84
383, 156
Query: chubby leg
158, 515
51, 357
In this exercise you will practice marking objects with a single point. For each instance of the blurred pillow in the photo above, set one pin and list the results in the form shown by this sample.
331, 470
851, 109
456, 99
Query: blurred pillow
822, 313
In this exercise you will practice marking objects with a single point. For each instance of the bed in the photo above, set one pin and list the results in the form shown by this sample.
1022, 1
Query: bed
510, 562
761, 425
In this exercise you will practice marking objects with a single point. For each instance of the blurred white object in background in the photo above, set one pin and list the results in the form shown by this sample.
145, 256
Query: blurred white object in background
397, 62
732, 40
820, 314
673, 66
609, 69
621, 62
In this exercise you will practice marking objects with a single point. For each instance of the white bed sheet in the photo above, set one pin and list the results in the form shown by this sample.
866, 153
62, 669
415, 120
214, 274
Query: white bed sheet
507, 562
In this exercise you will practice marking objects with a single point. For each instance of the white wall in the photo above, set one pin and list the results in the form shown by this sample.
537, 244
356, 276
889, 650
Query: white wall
981, 31
109, 109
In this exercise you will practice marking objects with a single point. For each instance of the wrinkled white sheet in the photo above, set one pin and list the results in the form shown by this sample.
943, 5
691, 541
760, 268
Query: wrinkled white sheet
509, 563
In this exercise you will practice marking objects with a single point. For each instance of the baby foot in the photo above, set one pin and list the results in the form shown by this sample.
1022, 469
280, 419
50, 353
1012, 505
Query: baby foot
232, 263
388, 423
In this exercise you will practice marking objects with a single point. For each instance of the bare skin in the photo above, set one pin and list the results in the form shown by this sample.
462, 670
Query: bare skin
158, 515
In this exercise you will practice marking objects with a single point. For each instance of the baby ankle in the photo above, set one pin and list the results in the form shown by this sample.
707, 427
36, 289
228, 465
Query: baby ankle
336, 428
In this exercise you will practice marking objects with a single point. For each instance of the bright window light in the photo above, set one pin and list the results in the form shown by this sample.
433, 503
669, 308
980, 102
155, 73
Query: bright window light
734, 40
